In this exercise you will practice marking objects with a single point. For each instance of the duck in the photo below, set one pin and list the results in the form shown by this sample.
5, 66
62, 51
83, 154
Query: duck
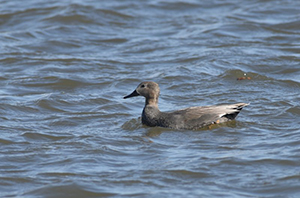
191, 118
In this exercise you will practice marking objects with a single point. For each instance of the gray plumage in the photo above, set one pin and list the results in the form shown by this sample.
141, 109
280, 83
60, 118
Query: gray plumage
189, 118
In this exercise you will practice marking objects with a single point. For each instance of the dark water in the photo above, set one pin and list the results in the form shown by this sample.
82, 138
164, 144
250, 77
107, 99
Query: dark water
67, 132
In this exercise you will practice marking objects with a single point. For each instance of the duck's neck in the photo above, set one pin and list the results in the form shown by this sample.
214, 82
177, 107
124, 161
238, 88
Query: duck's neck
151, 102
151, 113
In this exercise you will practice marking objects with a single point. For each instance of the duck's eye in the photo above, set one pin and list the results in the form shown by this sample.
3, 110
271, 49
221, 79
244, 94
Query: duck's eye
142, 86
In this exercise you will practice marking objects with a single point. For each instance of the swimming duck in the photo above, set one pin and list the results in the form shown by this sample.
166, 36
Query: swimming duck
189, 118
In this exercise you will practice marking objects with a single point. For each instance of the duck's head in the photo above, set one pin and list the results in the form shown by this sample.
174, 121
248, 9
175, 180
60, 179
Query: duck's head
150, 90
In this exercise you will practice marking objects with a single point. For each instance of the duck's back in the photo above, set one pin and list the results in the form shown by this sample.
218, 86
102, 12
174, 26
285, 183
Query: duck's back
198, 117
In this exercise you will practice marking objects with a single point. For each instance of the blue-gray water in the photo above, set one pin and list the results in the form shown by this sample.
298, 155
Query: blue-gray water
65, 130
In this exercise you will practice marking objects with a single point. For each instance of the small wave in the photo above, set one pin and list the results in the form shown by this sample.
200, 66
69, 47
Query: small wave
5, 141
81, 14
72, 190
188, 173
176, 5
295, 110
234, 74
46, 137
50, 82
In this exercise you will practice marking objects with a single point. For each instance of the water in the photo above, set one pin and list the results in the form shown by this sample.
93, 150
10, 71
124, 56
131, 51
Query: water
67, 132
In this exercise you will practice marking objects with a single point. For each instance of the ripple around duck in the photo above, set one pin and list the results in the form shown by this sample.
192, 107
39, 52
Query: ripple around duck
132, 124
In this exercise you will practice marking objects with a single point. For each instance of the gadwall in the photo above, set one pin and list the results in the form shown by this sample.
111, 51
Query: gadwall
189, 118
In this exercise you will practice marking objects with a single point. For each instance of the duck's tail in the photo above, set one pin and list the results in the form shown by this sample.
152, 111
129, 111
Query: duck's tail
234, 110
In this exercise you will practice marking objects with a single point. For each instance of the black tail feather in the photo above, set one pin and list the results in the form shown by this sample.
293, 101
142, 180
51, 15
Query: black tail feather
232, 115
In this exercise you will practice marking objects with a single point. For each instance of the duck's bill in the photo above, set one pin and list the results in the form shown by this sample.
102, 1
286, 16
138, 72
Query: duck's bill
133, 94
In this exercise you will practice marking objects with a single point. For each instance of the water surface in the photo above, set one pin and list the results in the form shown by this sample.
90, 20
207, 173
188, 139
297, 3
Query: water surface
66, 65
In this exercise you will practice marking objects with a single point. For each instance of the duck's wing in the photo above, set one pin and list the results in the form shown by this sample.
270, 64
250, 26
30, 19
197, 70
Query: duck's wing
196, 117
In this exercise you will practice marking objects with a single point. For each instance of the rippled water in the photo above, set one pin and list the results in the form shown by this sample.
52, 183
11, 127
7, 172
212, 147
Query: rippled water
67, 132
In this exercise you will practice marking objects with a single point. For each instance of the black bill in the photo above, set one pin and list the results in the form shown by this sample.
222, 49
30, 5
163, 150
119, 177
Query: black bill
134, 93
